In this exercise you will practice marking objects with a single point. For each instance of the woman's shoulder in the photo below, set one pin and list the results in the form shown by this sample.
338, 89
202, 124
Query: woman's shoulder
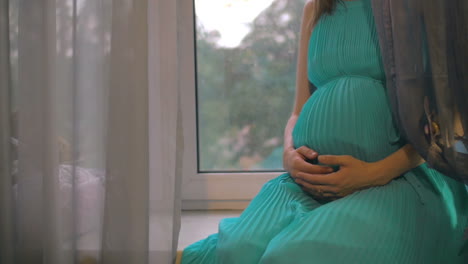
309, 7
309, 13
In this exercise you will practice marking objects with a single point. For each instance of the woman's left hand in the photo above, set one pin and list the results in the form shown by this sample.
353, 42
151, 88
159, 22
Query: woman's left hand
353, 175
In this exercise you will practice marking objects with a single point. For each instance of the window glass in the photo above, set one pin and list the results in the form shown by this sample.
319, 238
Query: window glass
245, 62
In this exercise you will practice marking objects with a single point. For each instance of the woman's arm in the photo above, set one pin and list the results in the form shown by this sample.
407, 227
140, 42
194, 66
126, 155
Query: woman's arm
294, 160
401, 161
302, 82
355, 174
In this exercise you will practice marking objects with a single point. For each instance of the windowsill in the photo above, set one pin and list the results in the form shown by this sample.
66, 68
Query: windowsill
198, 224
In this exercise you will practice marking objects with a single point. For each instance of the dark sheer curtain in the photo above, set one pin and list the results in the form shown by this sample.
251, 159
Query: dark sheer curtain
6, 209
424, 46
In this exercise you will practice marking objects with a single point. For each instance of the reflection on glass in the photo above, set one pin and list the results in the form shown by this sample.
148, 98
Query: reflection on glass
246, 60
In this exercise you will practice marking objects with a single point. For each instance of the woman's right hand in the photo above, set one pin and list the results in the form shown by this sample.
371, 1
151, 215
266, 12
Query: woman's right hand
296, 164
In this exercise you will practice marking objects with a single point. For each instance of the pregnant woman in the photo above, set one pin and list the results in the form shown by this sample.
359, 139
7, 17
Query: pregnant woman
355, 192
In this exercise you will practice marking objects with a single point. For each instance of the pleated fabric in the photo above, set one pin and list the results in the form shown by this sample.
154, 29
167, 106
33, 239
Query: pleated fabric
416, 218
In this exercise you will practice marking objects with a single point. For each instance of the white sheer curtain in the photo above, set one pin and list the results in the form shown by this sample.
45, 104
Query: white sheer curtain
90, 132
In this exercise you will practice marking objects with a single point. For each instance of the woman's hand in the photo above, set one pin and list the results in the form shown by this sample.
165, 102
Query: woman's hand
295, 162
353, 175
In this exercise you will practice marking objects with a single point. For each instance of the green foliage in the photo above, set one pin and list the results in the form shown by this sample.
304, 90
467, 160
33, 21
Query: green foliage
245, 94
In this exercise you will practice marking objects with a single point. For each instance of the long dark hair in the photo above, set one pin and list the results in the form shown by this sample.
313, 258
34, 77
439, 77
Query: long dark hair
322, 7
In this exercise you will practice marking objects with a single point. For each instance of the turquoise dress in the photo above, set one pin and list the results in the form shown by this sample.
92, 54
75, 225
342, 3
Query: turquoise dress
416, 218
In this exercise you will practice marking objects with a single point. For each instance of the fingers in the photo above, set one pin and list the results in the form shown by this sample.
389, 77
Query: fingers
301, 165
307, 152
316, 179
342, 160
318, 191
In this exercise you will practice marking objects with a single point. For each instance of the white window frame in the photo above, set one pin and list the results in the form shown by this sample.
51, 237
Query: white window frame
205, 190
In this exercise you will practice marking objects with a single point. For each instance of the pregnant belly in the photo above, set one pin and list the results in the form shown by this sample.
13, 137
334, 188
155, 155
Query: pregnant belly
348, 116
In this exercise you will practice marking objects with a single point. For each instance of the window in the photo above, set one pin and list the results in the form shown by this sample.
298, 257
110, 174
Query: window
238, 65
